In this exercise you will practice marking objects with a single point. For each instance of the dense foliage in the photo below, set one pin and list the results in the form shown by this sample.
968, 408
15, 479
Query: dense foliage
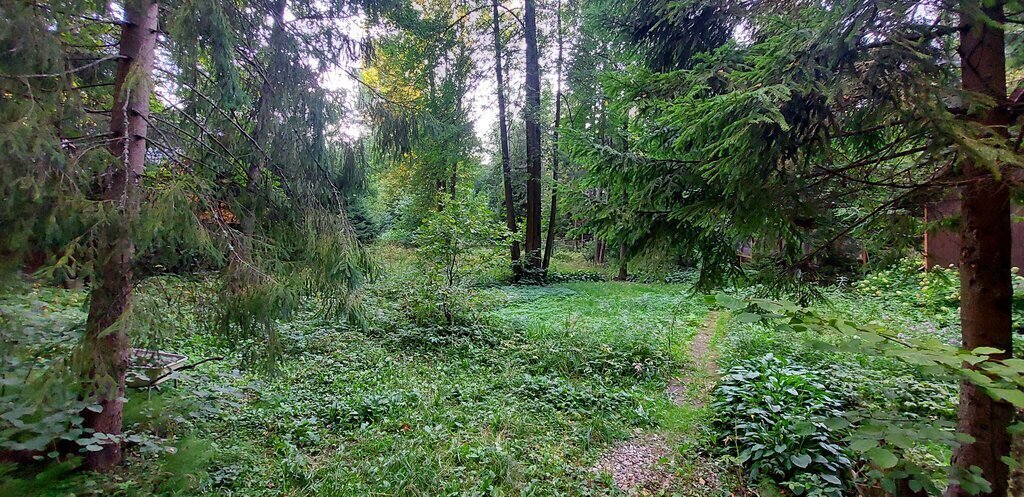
780, 412
351, 247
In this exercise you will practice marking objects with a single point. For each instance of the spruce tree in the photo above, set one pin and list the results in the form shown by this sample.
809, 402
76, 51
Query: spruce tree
104, 355
123, 157
821, 111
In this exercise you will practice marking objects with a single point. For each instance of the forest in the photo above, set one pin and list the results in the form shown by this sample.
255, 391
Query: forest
511, 247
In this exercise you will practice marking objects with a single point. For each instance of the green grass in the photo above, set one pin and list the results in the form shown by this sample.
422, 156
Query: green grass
524, 407
520, 398
520, 403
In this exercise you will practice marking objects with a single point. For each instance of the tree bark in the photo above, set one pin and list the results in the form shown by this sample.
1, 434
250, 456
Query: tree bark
623, 272
623, 250
506, 170
104, 354
533, 151
985, 281
549, 245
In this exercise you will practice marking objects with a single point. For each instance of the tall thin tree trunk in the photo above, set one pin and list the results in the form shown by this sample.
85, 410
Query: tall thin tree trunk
549, 246
454, 180
985, 281
533, 151
623, 274
623, 251
506, 170
104, 354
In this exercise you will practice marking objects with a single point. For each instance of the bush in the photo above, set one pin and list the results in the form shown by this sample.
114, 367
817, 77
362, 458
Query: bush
578, 275
774, 414
931, 296
455, 244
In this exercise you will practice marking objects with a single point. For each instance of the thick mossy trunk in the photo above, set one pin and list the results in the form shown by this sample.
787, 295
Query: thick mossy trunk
104, 353
985, 281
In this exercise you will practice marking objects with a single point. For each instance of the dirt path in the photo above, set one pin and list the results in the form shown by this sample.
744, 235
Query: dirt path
639, 464
694, 388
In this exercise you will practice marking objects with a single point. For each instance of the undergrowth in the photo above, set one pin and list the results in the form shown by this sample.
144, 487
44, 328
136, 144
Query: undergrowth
519, 396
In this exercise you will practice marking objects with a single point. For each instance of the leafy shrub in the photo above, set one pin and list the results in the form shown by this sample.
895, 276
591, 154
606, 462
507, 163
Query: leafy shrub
896, 387
747, 340
931, 295
623, 361
582, 398
40, 399
681, 276
576, 275
774, 414
900, 440
370, 408
455, 244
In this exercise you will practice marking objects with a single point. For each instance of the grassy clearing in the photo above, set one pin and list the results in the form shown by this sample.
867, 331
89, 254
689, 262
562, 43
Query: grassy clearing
522, 402
523, 396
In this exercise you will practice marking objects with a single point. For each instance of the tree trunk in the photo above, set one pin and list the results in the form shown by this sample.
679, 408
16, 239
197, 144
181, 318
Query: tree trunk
506, 171
533, 151
454, 181
985, 284
549, 246
623, 273
623, 252
104, 354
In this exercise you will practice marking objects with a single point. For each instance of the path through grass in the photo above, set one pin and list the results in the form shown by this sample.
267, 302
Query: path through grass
523, 404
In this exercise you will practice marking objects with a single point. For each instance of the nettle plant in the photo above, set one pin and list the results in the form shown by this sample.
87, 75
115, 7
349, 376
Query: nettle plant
888, 444
458, 241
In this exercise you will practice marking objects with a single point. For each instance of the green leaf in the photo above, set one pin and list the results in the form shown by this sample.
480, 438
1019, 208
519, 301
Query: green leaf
1011, 462
881, 457
748, 317
900, 440
1015, 397
728, 301
987, 350
801, 461
836, 424
864, 444
845, 327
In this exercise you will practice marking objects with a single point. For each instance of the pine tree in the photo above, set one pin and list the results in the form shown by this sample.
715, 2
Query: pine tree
985, 286
98, 192
553, 209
